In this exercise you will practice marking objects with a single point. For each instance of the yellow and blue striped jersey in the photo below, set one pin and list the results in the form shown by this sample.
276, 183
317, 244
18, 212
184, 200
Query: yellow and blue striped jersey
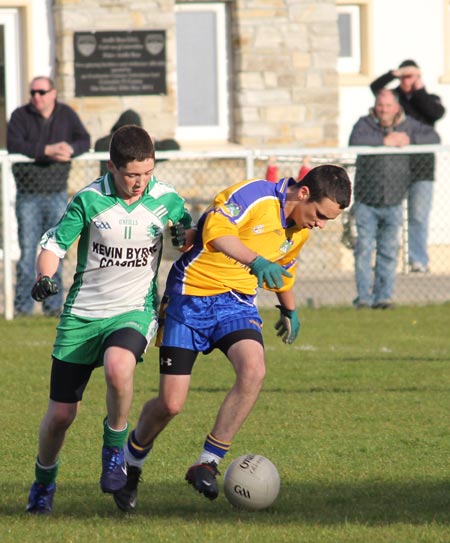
252, 210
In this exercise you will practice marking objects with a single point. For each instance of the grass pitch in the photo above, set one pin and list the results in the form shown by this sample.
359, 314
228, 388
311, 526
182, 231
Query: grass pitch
355, 415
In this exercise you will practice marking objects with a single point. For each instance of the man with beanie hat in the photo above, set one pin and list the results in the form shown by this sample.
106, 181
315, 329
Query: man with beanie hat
426, 108
102, 144
131, 117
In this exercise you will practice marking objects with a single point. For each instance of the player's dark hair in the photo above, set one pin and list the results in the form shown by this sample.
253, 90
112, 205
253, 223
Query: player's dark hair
328, 181
130, 143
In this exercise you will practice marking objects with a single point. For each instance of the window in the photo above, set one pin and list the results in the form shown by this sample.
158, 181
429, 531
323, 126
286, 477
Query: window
349, 39
202, 71
354, 40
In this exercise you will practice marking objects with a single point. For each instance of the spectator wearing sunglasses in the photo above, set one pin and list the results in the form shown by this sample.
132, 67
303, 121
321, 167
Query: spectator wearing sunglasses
50, 133
426, 108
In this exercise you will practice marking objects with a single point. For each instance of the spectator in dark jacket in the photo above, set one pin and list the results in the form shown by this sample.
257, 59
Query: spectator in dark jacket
426, 108
102, 144
131, 117
51, 133
381, 183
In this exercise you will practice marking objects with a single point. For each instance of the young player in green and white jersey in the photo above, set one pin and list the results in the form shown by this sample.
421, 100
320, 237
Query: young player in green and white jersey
110, 313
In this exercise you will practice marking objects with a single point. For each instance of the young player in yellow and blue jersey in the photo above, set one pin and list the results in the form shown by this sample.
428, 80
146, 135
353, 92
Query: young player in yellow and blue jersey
249, 237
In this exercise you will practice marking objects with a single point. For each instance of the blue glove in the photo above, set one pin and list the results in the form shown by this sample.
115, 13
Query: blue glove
178, 234
270, 272
288, 325
44, 287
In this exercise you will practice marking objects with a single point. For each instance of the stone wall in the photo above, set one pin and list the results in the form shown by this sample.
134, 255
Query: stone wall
285, 84
158, 112
283, 79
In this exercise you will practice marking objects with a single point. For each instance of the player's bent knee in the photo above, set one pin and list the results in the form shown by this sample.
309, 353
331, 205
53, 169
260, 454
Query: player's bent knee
60, 418
254, 371
119, 370
171, 407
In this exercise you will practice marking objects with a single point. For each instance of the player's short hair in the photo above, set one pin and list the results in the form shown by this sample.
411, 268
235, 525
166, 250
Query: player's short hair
130, 143
328, 181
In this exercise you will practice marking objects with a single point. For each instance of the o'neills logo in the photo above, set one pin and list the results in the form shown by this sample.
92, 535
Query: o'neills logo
247, 462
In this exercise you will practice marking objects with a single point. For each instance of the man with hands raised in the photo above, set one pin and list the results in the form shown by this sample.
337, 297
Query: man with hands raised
249, 237
427, 108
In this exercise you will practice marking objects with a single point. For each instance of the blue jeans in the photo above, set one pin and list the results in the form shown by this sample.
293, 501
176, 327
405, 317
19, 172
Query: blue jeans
377, 228
36, 213
420, 198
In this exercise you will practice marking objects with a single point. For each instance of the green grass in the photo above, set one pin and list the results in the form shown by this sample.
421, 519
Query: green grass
355, 415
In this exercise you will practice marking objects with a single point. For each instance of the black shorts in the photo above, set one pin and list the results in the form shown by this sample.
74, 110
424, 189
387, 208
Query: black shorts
180, 361
68, 380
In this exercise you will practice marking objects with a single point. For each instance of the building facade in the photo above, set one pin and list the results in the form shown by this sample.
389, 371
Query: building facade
252, 73
271, 73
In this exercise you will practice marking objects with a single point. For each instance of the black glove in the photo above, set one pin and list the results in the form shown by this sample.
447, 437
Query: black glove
178, 234
44, 287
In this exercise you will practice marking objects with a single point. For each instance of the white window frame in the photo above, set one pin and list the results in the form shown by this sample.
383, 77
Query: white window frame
358, 69
351, 64
221, 130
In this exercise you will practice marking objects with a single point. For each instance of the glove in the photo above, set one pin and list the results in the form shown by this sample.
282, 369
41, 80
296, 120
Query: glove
288, 325
270, 272
44, 287
178, 234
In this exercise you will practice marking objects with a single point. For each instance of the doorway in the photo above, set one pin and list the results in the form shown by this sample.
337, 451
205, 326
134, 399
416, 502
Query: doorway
2, 90
10, 77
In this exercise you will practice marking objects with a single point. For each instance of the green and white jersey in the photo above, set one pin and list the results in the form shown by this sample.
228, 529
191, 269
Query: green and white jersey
119, 248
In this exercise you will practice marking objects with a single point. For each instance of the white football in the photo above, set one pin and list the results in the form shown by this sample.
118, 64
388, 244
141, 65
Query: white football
251, 482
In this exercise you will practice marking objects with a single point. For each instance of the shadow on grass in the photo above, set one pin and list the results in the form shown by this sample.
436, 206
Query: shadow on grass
370, 503
373, 358
329, 389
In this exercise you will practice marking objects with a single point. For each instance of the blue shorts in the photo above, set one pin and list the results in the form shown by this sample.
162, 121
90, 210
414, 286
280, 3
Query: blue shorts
197, 323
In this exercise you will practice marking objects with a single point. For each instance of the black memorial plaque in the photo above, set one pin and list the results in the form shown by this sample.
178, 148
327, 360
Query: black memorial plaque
120, 63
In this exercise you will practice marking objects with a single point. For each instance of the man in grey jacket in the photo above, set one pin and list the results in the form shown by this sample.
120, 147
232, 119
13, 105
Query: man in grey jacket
381, 183
427, 108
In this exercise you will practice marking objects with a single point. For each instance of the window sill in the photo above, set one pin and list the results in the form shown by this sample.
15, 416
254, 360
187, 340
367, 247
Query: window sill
354, 79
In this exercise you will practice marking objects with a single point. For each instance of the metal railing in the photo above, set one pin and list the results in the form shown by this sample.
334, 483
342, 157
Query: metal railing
325, 272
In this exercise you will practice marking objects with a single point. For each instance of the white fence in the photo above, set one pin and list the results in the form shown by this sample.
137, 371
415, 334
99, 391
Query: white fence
325, 274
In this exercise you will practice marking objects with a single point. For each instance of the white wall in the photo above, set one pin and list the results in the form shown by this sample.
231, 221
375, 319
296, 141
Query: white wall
401, 30
43, 41
41, 48
40, 64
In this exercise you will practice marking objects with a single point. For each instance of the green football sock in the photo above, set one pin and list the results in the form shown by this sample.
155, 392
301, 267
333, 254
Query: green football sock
114, 438
46, 475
